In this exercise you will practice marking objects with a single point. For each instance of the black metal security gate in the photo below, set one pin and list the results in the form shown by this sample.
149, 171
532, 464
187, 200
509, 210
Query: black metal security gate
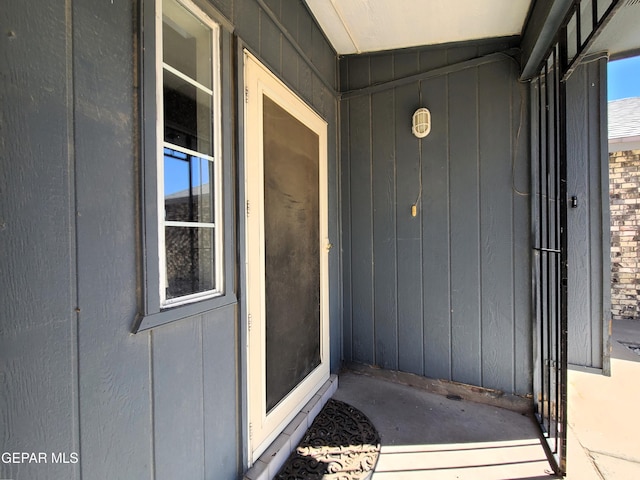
550, 260
577, 33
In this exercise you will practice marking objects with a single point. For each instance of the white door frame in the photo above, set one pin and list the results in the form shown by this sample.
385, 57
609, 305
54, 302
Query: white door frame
263, 428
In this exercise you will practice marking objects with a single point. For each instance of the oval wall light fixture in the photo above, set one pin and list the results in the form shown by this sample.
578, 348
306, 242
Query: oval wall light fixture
421, 122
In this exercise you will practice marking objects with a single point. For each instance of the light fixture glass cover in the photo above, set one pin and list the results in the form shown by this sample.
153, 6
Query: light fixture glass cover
421, 122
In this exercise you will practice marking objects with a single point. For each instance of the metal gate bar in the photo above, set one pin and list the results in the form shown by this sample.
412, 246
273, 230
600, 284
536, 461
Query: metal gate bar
584, 39
550, 219
549, 377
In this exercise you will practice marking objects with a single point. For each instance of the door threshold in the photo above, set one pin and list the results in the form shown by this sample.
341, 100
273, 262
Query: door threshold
274, 457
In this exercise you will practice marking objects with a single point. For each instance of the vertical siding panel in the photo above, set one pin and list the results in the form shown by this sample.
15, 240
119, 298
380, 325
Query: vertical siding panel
220, 393
347, 281
38, 397
579, 293
496, 46
588, 247
274, 6
38, 364
225, 7
521, 248
305, 42
270, 38
305, 81
596, 185
361, 230
410, 323
305, 24
432, 59
335, 279
465, 241
290, 62
323, 56
461, 53
605, 234
384, 231
116, 431
343, 68
289, 19
496, 229
178, 400
246, 19
321, 96
382, 67
358, 72
435, 241
405, 64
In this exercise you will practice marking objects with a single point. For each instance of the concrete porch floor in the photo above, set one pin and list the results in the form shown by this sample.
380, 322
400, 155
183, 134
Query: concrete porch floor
603, 412
428, 436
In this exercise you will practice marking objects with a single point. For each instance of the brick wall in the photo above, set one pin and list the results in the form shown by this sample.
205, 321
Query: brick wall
624, 192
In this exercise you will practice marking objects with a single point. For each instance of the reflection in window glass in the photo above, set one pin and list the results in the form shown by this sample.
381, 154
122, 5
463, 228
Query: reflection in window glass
186, 43
187, 115
187, 188
189, 260
189, 217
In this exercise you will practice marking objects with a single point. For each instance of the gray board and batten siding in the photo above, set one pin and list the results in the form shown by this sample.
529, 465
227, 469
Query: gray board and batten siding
589, 299
588, 262
163, 403
445, 294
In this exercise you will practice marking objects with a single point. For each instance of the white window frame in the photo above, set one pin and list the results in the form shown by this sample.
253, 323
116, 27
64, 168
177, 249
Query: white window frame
215, 185
153, 307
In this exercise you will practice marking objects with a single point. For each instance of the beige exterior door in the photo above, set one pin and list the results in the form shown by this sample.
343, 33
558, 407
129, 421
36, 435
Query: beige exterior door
287, 259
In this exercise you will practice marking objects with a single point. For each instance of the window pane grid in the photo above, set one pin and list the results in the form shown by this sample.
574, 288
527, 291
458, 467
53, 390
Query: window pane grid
189, 224
187, 112
187, 188
174, 302
189, 261
187, 78
187, 151
187, 41
190, 242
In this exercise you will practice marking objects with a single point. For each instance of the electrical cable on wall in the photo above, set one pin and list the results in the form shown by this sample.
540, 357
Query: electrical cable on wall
421, 126
514, 153
420, 131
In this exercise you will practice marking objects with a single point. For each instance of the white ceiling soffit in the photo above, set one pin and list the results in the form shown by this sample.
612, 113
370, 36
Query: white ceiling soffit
357, 26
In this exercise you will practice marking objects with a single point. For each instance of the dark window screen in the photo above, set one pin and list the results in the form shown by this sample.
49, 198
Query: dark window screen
292, 263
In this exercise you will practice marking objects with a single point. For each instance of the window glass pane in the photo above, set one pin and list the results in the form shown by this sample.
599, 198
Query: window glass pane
187, 115
187, 188
188, 219
189, 260
186, 43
